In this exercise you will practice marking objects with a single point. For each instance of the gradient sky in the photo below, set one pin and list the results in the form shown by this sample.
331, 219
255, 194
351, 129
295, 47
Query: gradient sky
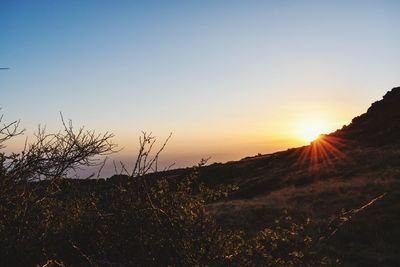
228, 78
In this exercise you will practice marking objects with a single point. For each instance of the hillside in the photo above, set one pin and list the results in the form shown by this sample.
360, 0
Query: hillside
380, 125
339, 172
335, 202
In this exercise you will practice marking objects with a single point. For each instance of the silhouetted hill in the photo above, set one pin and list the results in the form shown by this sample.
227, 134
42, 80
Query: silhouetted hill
337, 174
335, 198
342, 171
380, 125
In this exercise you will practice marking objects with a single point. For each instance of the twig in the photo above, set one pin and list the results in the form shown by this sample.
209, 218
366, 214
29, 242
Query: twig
353, 212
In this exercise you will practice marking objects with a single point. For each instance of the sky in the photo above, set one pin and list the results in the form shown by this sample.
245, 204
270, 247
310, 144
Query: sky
229, 79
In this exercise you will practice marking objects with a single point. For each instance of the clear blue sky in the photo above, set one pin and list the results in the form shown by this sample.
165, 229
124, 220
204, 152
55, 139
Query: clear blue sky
228, 78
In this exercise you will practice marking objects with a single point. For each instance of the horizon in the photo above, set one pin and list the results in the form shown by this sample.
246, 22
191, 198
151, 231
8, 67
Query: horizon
228, 79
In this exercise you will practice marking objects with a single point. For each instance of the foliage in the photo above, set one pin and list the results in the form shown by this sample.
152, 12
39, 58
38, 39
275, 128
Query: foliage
47, 219
290, 244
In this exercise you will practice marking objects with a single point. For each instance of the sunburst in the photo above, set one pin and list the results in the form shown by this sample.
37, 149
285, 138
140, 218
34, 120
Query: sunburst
324, 152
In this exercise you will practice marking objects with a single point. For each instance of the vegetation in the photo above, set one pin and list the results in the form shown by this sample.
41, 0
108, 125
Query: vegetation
48, 219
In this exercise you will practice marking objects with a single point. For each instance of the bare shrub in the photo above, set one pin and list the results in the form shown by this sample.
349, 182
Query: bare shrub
145, 219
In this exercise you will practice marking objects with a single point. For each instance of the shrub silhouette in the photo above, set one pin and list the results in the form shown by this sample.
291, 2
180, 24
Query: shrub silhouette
48, 219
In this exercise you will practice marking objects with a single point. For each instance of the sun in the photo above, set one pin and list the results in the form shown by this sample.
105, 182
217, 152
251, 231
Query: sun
311, 134
311, 130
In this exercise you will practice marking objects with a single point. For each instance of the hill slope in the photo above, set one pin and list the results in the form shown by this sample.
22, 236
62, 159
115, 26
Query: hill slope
337, 174
380, 125
342, 171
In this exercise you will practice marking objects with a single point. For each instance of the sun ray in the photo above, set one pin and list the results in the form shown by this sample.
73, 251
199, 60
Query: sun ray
324, 152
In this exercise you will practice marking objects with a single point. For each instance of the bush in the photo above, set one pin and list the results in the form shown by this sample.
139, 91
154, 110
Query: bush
48, 219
